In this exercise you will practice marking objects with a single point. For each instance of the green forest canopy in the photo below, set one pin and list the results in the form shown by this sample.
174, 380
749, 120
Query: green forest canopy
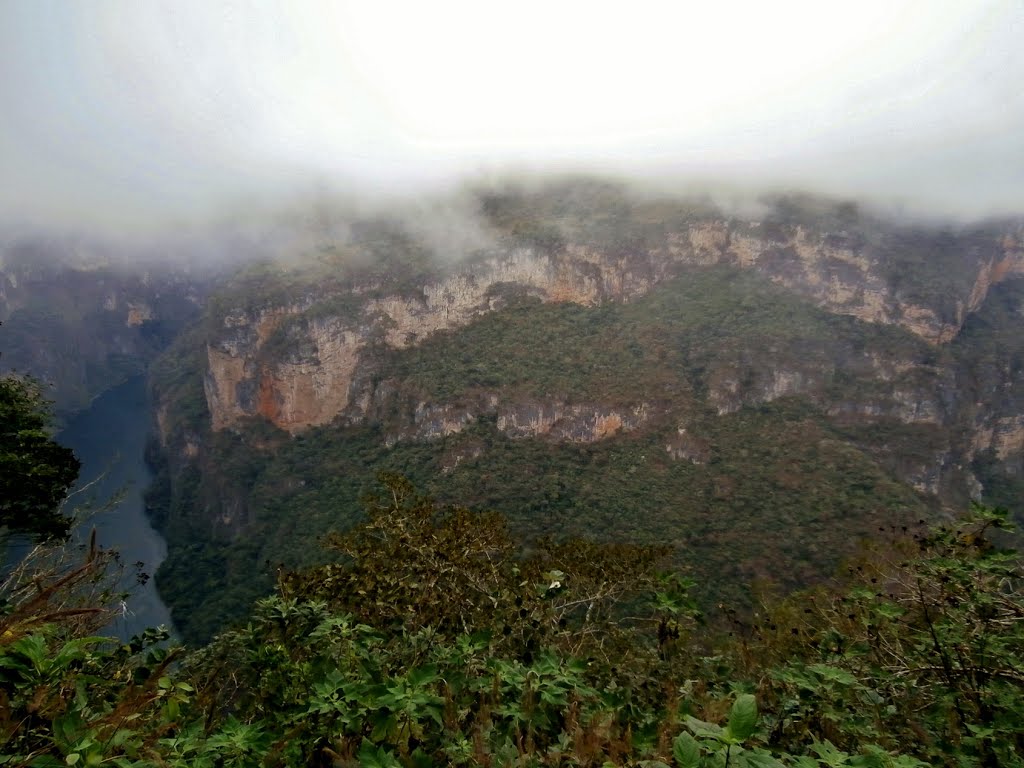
431, 637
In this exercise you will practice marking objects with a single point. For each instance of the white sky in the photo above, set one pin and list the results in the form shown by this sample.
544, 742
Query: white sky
124, 111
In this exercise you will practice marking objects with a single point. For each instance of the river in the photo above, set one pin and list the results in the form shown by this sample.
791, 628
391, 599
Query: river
109, 438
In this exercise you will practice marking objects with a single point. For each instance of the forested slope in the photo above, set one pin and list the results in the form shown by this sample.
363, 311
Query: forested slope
759, 392
778, 490
432, 635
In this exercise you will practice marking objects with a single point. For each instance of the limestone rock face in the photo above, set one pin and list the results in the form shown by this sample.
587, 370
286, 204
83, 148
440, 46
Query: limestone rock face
1004, 435
297, 370
139, 312
559, 421
314, 390
845, 276
732, 386
305, 381
301, 385
687, 446
579, 423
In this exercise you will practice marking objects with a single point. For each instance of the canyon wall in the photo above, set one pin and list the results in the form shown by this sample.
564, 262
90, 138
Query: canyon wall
297, 371
716, 384
83, 328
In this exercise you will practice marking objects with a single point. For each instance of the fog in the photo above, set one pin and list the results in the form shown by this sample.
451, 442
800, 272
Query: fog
132, 116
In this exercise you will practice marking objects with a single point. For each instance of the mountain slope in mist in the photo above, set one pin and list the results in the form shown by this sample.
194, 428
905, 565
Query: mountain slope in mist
759, 391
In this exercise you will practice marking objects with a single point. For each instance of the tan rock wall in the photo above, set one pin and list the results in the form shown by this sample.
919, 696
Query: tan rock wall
1004, 435
296, 394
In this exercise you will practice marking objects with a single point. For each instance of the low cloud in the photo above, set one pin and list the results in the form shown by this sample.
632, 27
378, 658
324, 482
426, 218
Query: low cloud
131, 117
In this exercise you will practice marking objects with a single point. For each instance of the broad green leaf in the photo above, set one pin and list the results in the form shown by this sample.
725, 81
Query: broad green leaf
32, 648
376, 757
743, 717
74, 650
703, 729
758, 758
829, 754
833, 674
67, 729
46, 761
686, 751
420, 759
889, 610
423, 675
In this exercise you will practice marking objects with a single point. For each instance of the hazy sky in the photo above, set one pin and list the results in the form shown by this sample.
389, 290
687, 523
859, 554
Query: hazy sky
116, 112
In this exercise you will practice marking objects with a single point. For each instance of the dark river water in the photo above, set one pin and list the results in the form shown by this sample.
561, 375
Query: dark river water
109, 439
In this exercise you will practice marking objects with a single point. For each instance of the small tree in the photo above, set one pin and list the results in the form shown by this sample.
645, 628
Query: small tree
416, 564
35, 471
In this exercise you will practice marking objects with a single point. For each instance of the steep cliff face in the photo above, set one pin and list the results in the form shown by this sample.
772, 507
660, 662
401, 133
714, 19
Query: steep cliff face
296, 367
299, 382
82, 325
304, 378
675, 376
1004, 436
847, 275
990, 375
575, 423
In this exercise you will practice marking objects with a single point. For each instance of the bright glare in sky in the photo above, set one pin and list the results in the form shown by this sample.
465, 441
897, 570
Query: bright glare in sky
137, 109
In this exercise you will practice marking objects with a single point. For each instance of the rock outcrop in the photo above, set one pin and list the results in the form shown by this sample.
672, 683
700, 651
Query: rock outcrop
83, 328
298, 371
797, 381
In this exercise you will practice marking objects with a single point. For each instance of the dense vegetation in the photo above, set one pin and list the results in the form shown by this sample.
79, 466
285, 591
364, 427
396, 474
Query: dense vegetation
772, 492
35, 472
432, 638
421, 632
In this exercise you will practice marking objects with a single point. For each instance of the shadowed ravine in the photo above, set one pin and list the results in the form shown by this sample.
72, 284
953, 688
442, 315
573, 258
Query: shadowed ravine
109, 439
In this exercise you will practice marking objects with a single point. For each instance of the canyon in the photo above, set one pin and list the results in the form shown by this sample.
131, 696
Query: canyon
755, 390
313, 384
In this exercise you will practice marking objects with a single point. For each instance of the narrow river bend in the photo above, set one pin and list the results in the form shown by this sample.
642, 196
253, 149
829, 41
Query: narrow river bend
109, 438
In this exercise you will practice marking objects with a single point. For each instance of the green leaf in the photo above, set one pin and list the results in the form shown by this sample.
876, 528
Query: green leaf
67, 729
743, 717
829, 754
423, 675
32, 648
376, 757
703, 729
833, 674
889, 610
686, 751
759, 758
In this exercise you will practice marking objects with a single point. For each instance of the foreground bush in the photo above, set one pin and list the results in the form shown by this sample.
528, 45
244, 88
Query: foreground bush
434, 639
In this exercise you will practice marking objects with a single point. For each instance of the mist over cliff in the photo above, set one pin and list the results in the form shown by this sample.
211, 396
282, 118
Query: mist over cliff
704, 361
743, 278
130, 118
